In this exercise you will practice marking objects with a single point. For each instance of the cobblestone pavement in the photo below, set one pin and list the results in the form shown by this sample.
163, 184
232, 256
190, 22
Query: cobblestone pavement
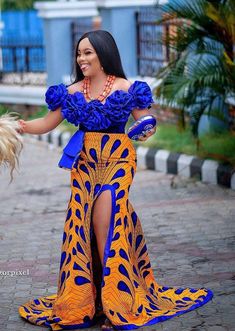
189, 230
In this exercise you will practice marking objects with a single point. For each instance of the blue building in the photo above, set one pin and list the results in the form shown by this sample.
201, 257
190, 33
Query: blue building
32, 40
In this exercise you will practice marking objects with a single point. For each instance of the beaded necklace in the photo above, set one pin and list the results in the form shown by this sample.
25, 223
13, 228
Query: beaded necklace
107, 88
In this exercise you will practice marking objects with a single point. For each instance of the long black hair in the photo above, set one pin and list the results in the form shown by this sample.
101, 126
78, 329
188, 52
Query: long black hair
107, 52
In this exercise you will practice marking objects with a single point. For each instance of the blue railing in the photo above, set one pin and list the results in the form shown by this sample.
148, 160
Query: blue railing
22, 42
23, 54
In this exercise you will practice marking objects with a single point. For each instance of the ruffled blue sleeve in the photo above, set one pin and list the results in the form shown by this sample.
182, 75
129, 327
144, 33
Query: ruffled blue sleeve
142, 95
55, 96
77, 111
73, 108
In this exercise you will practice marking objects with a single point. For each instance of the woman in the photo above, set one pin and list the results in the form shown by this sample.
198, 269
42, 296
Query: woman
105, 269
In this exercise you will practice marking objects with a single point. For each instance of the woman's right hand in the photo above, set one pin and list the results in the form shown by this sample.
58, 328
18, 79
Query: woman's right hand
22, 126
41, 125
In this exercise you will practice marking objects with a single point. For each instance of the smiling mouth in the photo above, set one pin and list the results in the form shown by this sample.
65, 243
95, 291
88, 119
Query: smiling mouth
84, 67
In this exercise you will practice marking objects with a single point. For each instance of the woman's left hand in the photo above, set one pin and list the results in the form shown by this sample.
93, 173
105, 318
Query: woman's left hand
149, 134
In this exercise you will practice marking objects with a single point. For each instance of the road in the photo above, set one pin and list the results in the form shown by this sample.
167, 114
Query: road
189, 229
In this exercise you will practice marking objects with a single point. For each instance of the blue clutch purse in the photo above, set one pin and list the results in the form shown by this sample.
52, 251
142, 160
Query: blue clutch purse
142, 126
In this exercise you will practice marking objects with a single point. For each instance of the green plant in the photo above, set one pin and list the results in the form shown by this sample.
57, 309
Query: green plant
200, 75
3, 110
39, 113
18, 4
220, 147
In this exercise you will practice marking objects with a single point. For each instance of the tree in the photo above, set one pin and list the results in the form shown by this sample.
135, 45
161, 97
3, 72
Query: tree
200, 75
18, 4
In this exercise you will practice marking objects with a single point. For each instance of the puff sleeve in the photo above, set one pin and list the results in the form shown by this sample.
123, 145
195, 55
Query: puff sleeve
55, 96
142, 95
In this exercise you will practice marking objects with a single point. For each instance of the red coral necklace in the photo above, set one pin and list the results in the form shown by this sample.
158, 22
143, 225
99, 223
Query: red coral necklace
107, 88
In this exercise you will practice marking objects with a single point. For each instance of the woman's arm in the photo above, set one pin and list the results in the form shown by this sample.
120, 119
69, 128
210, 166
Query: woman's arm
137, 113
42, 125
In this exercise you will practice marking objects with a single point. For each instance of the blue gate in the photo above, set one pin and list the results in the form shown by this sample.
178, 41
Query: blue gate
22, 42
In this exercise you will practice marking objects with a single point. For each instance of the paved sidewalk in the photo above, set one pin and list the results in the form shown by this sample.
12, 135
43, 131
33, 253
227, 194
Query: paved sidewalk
189, 230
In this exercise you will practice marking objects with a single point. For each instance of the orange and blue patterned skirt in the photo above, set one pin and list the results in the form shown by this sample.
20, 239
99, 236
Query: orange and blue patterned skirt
125, 287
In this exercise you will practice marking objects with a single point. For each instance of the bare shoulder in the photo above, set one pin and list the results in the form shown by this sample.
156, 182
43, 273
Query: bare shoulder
75, 87
122, 84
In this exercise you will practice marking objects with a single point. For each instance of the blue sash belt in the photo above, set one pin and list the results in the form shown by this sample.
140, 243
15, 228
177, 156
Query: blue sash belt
72, 150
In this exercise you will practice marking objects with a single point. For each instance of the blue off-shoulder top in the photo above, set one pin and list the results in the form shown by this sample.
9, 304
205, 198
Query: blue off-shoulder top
110, 117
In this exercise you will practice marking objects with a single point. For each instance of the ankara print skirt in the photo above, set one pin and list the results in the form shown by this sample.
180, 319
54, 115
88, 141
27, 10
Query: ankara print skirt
125, 286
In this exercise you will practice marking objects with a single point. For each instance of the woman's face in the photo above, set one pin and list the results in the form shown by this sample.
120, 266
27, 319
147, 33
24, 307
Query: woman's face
87, 58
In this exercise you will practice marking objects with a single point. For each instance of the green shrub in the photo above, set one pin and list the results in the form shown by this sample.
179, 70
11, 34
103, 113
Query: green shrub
219, 147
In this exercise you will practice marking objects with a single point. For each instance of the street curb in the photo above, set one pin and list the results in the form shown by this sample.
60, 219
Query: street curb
207, 171
189, 166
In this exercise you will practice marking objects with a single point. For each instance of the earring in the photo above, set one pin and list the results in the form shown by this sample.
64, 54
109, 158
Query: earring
102, 68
